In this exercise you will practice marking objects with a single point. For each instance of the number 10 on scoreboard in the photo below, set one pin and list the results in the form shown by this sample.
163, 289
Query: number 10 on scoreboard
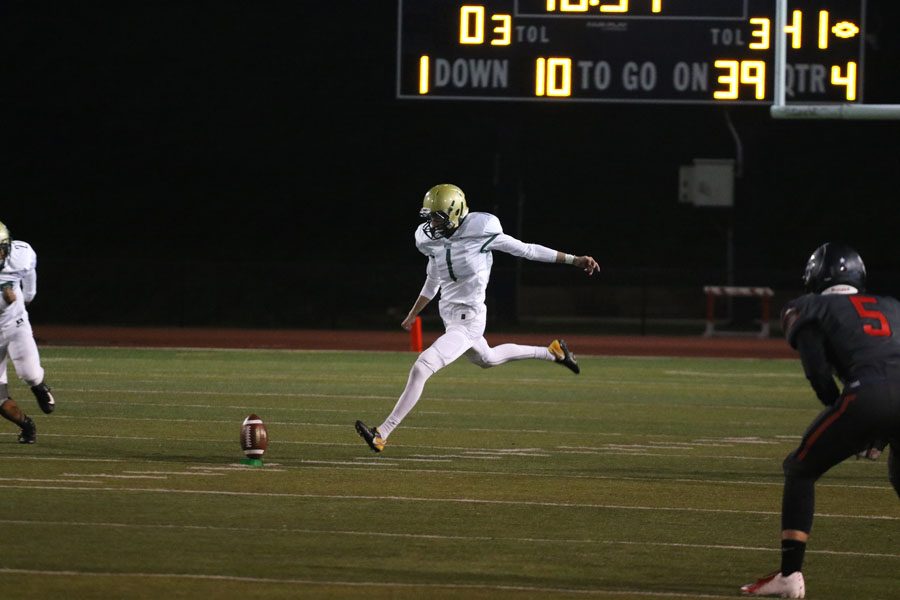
553, 77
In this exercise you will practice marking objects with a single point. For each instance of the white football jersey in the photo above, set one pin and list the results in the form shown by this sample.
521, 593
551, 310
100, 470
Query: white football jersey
19, 269
460, 266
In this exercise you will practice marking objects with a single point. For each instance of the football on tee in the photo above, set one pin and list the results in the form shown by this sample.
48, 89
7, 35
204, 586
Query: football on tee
254, 437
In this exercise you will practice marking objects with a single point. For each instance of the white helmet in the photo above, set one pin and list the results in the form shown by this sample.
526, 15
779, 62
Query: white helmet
444, 207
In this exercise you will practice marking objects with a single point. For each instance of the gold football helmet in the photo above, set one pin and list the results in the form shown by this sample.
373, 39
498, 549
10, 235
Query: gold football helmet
444, 207
4, 244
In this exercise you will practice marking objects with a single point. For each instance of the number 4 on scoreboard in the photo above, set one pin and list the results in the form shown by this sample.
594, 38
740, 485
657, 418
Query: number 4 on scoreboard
848, 80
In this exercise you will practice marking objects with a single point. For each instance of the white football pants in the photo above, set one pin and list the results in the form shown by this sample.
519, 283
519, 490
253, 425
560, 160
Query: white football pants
463, 334
17, 344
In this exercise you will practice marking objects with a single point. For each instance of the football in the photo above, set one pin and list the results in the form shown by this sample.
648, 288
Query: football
254, 437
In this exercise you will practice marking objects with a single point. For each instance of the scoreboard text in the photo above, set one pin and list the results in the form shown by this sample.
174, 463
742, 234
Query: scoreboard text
660, 51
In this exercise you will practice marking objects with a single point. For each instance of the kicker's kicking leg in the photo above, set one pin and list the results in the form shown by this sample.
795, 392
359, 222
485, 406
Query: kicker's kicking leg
486, 357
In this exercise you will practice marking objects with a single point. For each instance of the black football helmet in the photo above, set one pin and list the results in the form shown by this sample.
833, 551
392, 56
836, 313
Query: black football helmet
834, 263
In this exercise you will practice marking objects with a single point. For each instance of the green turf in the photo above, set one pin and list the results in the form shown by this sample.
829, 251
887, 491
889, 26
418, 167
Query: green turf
640, 478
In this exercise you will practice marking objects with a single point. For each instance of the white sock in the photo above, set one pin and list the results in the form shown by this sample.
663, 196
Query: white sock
418, 375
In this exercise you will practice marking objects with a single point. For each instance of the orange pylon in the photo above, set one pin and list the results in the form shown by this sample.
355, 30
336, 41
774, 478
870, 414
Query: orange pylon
415, 336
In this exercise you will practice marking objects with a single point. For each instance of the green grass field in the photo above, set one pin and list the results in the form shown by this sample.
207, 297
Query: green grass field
640, 478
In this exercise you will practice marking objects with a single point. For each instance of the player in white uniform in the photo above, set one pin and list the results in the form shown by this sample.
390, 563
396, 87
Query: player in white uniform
458, 245
18, 286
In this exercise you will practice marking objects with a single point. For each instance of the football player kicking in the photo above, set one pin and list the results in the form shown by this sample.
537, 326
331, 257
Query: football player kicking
459, 245
18, 286
837, 328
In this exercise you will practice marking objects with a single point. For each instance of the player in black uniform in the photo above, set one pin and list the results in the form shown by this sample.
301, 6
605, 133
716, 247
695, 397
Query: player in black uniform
838, 330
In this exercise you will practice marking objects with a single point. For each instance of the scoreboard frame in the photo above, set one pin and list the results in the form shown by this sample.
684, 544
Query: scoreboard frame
638, 51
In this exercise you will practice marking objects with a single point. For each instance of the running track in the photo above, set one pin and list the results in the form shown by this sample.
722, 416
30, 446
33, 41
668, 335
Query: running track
399, 340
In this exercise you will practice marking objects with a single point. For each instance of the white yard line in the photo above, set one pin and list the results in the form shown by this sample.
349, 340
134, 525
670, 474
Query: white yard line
393, 397
648, 479
33, 480
734, 374
392, 463
371, 584
200, 473
430, 536
383, 462
211, 393
414, 499
113, 476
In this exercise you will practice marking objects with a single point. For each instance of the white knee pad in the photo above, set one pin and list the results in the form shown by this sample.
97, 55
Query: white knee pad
429, 360
446, 349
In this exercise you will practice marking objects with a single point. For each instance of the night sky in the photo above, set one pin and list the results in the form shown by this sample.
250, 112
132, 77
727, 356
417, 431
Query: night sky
255, 142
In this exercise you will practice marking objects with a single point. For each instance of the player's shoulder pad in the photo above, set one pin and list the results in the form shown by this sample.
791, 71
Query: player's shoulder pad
478, 224
419, 235
797, 313
424, 244
21, 256
21, 246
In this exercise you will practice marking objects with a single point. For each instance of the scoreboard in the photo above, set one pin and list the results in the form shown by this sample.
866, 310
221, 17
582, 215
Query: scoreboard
634, 51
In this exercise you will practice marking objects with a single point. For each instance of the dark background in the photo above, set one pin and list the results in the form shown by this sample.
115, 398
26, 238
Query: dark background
246, 163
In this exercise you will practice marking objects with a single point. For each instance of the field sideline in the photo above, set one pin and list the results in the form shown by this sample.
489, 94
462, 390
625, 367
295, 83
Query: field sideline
398, 340
644, 477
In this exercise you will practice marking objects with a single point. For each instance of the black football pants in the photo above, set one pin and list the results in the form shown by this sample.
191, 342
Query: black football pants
860, 417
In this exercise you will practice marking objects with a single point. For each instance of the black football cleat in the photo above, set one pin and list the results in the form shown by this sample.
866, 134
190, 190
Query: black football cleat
372, 436
44, 397
562, 355
28, 434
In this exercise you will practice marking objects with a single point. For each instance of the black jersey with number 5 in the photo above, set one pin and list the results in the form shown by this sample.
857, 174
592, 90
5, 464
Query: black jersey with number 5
861, 331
